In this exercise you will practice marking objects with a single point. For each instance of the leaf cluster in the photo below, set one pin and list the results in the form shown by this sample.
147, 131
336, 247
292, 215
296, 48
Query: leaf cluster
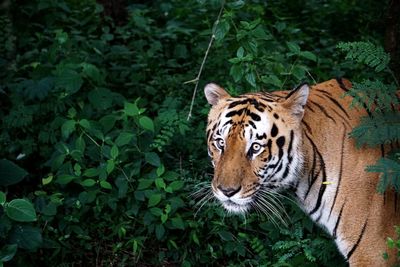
366, 53
381, 100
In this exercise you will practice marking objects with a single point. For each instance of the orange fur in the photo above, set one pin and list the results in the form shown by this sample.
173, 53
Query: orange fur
327, 171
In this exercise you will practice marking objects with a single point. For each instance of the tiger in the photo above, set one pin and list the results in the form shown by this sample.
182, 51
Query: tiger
299, 141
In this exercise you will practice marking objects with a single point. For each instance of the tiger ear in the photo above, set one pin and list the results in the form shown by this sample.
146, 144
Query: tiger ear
214, 93
297, 99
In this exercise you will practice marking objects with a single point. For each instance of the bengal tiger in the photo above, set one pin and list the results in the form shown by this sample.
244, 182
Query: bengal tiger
299, 140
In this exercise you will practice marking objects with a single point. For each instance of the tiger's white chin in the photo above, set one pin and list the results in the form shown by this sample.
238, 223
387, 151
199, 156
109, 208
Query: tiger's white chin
233, 207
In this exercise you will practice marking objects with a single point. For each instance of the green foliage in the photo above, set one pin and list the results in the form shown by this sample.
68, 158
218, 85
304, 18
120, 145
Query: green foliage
380, 99
390, 173
366, 53
19, 235
10, 173
374, 95
260, 59
377, 129
393, 244
100, 160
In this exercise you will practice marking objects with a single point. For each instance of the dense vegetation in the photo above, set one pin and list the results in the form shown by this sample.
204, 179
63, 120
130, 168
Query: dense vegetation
99, 165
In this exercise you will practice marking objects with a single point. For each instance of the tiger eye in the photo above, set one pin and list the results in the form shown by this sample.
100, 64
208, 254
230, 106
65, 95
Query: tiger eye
220, 143
255, 147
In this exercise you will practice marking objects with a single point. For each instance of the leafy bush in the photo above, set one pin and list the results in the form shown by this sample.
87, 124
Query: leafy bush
380, 99
94, 130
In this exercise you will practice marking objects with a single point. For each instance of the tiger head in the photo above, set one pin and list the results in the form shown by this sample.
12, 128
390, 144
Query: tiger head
254, 142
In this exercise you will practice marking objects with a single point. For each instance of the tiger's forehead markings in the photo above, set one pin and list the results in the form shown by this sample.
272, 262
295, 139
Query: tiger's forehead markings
246, 116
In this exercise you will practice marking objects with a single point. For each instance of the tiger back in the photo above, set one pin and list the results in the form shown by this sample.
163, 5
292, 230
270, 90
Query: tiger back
261, 143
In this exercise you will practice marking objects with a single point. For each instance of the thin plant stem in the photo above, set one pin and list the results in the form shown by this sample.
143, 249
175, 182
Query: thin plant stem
197, 79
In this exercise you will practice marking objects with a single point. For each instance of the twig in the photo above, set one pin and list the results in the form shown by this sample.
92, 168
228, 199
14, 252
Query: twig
309, 74
196, 80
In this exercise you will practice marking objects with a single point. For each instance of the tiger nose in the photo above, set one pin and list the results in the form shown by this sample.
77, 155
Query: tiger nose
229, 191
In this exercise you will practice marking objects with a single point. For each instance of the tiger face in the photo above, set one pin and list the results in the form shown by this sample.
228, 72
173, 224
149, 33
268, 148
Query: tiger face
253, 142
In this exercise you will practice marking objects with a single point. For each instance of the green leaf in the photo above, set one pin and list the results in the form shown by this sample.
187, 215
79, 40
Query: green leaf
293, 47
389, 170
195, 238
160, 231
101, 98
88, 183
225, 235
68, 79
26, 237
108, 122
240, 52
92, 72
50, 209
236, 4
65, 178
146, 123
273, 80
10, 173
47, 180
260, 33
105, 185
80, 144
84, 123
299, 72
154, 200
77, 169
38, 89
308, 55
156, 211
124, 138
385, 256
122, 185
91, 172
160, 184
3, 198
164, 218
221, 30
131, 109
68, 127
7, 252
20, 210
390, 243
236, 72
145, 183
152, 158
251, 78
177, 223
61, 36
160, 170
114, 152
110, 166
176, 185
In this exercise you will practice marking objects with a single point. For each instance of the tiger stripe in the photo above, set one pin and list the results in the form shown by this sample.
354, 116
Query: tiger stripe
298, 140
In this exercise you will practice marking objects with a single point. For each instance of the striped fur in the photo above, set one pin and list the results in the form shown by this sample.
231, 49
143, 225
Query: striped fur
261, 143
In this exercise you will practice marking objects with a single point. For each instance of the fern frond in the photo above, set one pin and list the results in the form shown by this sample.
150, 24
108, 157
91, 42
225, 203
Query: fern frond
258, 247
373, 94
366, 53
380, 128
390, 173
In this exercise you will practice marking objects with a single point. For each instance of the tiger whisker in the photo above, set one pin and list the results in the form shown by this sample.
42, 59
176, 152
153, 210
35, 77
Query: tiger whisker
264, 210
278, 194
199, 192
274, 207
203, 201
